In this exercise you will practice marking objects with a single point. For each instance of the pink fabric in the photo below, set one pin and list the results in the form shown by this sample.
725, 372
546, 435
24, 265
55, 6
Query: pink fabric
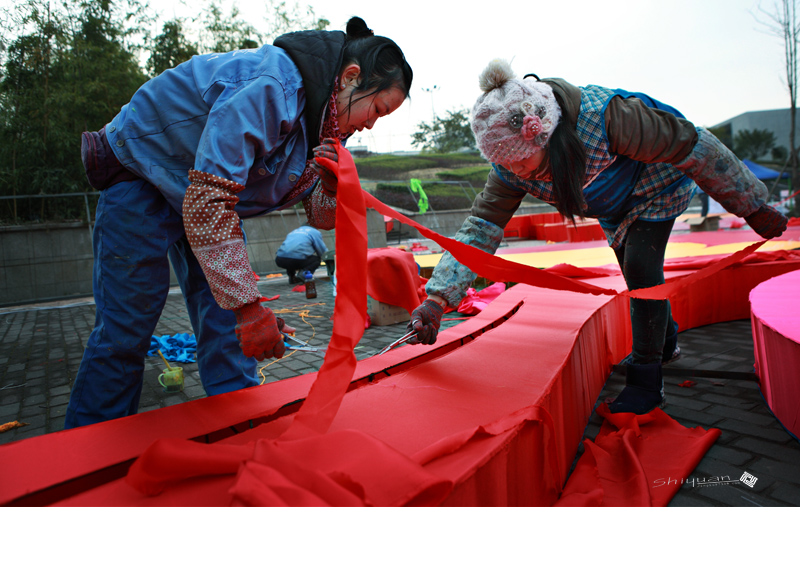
775, 315
476, 300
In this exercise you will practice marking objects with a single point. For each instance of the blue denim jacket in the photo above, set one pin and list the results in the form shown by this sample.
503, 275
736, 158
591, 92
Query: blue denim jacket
236, 115
301, 243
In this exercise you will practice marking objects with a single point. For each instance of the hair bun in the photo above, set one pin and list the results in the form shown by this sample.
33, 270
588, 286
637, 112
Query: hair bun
357, 28
497, 73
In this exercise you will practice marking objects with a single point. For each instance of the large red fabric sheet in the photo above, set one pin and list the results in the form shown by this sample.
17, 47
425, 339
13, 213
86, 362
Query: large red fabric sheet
468, 421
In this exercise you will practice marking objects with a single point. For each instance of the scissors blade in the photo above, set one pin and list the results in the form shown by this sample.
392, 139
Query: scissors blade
305, 349
296, 344
394, 344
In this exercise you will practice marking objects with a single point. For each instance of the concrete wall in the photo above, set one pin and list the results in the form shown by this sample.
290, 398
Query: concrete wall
49, 262
447, 222
41, 262
54, 261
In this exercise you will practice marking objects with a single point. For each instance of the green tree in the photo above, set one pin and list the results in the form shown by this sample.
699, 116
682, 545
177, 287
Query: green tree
445, 135
222, 33
25, 104
67, 66
752, 144
724, 134
780, 153
66, 71
783, 23
283, 18
170, 48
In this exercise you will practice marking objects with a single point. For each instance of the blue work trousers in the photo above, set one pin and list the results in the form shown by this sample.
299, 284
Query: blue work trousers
136, 232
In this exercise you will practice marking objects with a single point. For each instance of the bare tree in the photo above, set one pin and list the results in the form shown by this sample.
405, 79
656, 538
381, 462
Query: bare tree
781, 21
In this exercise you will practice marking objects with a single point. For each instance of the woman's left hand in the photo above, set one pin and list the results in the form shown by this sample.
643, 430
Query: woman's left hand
767, 222
328, 179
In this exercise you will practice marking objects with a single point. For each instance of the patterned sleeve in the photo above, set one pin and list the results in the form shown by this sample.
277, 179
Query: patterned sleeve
320, 209
215, 236
451, 279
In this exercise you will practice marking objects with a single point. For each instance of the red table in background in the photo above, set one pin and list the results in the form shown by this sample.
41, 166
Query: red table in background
775, 316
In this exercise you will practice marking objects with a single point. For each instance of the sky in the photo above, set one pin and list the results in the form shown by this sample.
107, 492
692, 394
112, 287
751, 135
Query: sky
710, 59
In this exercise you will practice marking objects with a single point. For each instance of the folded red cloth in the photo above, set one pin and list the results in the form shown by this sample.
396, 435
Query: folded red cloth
393, 278
636, 460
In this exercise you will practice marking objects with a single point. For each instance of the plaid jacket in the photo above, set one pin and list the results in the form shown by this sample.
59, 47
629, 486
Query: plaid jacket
660, 191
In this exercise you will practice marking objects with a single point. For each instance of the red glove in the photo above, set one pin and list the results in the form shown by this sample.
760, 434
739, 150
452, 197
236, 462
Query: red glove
425, 320
767, 222
259, 332
327, 179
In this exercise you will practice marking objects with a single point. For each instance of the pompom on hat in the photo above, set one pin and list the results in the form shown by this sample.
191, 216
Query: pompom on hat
513, 119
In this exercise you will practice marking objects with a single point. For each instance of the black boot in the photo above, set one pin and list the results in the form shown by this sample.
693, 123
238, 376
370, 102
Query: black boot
672, 351
643, 392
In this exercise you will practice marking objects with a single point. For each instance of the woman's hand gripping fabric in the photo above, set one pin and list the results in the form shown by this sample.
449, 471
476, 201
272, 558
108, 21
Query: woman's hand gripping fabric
328, 180
259, 332
425, 322
767, 222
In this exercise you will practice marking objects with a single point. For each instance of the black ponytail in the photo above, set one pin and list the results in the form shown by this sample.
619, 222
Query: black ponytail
567, 164
357, 29
383, 65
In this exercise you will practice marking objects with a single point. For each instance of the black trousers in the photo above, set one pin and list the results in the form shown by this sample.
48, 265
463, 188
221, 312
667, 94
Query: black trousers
293, 265
641, 258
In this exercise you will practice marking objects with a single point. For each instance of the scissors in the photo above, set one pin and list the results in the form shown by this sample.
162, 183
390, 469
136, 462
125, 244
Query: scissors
400, 341
295, 344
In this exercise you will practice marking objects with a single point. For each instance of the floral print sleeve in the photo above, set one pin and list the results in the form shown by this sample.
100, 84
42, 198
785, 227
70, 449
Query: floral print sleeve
451, 279
215, 236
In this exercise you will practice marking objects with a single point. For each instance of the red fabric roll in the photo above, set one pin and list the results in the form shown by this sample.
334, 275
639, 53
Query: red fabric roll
393, 278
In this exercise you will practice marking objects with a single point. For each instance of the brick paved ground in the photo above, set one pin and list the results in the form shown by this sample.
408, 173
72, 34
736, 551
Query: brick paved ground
41, 348
752, 439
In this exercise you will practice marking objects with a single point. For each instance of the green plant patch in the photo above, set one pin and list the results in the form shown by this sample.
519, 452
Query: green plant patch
388, 166
440, 196
476, 173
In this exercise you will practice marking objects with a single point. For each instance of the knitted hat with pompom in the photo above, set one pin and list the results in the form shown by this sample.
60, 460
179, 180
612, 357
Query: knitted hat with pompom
513, 119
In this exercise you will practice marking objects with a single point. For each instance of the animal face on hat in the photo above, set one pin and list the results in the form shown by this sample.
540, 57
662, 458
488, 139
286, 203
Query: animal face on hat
513, 119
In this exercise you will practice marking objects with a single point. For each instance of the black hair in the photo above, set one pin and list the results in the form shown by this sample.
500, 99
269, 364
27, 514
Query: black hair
567, 164
383, 65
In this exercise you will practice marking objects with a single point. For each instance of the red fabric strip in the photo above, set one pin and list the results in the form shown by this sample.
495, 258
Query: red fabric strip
350, 309
664, 291
488, 265
498, 269
320, 407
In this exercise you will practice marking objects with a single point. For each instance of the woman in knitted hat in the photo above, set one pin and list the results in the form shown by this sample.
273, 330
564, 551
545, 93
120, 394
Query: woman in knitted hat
622, 157
221, 137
